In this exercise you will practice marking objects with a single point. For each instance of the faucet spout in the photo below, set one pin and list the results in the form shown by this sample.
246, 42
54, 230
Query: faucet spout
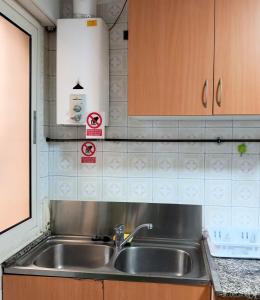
120, 230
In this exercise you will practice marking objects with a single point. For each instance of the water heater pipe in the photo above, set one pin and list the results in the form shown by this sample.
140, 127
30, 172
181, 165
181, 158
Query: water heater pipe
84, 8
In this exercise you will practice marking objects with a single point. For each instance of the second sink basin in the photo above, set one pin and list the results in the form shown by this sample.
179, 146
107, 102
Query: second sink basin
152, 260
62, 256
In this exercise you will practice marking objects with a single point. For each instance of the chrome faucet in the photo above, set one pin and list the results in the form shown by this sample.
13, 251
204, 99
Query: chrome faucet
120, 241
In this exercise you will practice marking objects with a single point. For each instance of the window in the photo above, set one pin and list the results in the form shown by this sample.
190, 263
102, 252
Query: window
15, 124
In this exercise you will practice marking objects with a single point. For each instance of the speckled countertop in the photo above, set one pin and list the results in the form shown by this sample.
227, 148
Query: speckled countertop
235, 277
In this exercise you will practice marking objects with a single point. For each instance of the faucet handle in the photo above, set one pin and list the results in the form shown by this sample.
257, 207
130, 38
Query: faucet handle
119, 229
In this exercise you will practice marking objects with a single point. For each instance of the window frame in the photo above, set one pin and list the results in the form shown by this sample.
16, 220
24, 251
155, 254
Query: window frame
19, 236
30, 124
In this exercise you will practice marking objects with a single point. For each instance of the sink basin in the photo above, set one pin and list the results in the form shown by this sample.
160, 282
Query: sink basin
152, 260
61, 256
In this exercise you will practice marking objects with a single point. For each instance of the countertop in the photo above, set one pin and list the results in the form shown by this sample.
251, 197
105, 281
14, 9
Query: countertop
234, 277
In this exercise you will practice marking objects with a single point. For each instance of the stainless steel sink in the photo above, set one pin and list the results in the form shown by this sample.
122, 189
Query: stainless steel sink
63, 256
152, 260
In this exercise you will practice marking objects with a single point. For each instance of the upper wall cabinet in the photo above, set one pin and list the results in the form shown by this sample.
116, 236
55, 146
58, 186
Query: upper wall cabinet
180, 49
237, 57
171, 50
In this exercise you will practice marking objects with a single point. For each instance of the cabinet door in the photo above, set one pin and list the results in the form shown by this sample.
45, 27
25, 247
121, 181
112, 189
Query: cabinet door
50, 288
237, 57
170, 57
116, 290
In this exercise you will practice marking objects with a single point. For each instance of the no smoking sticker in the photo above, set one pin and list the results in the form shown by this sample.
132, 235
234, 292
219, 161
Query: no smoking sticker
95, 125
88, 149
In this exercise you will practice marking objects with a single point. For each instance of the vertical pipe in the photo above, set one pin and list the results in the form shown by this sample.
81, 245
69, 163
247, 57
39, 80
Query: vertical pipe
84, 8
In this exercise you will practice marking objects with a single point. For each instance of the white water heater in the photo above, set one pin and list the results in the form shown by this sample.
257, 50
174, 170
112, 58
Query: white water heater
82, 70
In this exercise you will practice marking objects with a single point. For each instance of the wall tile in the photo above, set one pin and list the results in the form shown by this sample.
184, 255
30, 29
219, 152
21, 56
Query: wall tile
165, 165
114, 164
245, 193
164, 134
118, 114
165, 190
117, 36
118, 62
140, 190
118, 88
191, 165
63, 163
90, 169
244, 217
218, 166
191, 191
114, 189
218, 192
214, 133
140, 165
90, 188
189, 134
245, 167
64, 188
217, 216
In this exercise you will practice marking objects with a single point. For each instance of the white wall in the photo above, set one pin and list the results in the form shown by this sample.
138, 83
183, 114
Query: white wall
215, 176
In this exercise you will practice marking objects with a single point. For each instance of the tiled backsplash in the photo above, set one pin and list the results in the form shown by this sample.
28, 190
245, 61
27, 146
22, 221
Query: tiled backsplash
216, 176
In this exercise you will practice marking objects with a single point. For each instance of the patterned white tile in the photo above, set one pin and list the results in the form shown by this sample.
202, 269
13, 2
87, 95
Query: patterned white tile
246, 133
118, 88
64, 188
118, 114
165, 165
115, 147
245, 167
191, 124
191, 133
191, 191
218, 124
114, 164
110, 10
114, 189
252, 123
117, 36
218, 192
140, 165
218, 166
118, 62
165, 134
191, 165
245, 193
63, 163
165, 190
44, 189
244, 217
134, 122
91, 169
116, 132
142, 134
90, 188
166, 123
217, 216
214, 133
140, 190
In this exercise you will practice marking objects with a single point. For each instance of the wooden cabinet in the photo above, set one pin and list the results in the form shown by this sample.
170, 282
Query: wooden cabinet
237, 57
50, 288
180, 49
20, 287
170, 57
120, 290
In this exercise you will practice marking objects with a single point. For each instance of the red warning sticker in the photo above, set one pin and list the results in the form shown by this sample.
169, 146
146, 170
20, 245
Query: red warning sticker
88, 160
88, 149
95, 125
94, 120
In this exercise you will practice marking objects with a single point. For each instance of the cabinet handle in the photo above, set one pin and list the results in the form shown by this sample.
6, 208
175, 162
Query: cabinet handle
219, 92
205, 94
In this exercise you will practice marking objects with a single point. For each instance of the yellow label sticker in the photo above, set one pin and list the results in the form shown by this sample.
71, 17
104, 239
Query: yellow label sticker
91, 23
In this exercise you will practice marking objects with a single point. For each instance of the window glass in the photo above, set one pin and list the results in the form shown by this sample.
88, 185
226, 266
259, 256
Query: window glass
15, 137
